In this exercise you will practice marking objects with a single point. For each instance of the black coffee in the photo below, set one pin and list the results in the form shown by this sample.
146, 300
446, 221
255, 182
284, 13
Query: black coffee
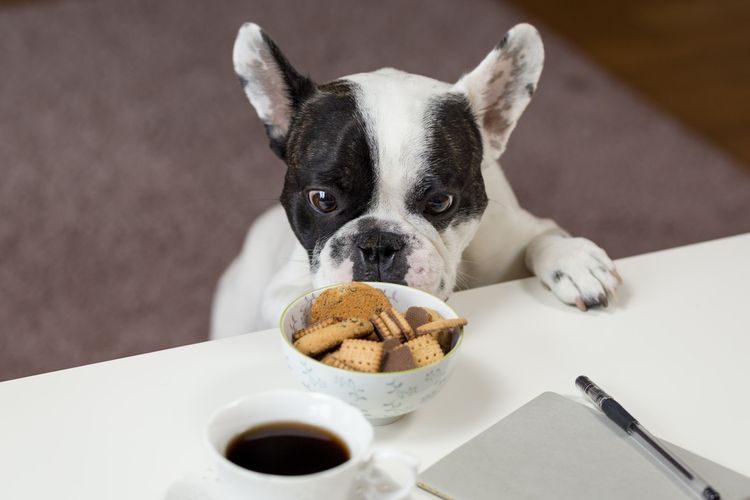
287, 449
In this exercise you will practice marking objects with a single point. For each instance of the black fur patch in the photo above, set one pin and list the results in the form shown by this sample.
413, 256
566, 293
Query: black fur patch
327, 149
454, 159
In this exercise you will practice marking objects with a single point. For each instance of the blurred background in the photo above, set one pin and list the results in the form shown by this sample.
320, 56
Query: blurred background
131, 164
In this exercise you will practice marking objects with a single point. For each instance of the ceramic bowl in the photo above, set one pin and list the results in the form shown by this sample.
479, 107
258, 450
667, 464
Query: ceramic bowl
382, 397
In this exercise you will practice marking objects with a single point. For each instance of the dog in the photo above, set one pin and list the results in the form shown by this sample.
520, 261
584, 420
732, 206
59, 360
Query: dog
395, 177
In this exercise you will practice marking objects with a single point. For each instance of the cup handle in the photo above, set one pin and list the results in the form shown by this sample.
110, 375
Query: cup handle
376, 485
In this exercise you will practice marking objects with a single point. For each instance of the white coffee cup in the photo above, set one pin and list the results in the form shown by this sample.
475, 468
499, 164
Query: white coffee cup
358, 477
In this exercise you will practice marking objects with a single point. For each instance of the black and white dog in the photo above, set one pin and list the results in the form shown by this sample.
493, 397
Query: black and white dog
395, 177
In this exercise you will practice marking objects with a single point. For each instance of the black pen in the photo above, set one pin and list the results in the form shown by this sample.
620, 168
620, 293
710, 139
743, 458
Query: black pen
629, 424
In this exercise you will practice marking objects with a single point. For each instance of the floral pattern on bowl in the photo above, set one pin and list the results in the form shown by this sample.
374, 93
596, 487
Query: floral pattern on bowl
382, 397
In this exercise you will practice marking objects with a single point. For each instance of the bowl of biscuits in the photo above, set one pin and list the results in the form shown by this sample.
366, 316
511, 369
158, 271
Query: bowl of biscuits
384, 348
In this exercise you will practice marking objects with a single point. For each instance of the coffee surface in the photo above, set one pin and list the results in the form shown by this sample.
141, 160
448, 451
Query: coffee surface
287, 449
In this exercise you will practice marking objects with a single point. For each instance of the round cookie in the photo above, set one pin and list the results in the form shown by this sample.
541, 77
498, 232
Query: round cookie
352, 300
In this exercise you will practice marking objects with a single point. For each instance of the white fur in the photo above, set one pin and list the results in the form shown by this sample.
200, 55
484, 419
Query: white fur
506, 243
393, 104
498, 75
265, 85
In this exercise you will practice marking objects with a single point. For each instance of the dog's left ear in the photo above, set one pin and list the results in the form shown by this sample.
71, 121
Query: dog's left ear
275, 89
502, 85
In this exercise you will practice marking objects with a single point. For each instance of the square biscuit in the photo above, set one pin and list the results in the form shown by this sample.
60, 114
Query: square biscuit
425, 350
361, 355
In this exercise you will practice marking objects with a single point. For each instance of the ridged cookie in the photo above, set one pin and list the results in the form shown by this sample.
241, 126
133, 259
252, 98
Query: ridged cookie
385, 327
331, 336
403, 325
441, 324
313, 328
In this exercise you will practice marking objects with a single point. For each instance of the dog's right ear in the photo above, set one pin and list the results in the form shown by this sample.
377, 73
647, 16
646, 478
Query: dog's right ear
275, 89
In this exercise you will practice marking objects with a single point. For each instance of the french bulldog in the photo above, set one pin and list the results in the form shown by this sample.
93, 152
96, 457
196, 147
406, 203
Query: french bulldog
395, 177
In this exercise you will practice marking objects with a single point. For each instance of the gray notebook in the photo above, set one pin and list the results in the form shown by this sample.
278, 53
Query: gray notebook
555, 448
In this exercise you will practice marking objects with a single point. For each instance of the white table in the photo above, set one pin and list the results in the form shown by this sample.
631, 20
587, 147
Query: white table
675, 351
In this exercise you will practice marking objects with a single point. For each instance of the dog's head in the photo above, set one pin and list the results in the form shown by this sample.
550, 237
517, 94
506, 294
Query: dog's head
384, 178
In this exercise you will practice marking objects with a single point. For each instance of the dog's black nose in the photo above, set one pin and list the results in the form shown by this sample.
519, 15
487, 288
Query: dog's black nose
380, 257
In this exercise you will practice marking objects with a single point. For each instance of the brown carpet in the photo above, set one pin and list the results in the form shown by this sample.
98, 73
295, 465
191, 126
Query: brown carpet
131, 164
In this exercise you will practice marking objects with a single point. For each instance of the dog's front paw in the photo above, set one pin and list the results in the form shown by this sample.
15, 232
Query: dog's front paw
576, 270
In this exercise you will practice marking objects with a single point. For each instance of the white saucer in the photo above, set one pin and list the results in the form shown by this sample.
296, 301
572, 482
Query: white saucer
204, 484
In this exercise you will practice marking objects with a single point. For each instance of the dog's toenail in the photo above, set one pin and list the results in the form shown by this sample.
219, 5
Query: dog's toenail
591, 302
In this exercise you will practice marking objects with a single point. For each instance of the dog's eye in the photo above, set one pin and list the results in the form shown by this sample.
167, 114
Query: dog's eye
321, 201
438, 203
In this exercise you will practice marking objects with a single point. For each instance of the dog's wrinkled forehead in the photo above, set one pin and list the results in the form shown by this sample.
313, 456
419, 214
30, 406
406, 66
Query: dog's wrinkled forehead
411, 121
391, 134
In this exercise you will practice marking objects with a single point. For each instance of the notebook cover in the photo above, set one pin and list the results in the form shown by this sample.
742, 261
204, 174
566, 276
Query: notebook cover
555, 448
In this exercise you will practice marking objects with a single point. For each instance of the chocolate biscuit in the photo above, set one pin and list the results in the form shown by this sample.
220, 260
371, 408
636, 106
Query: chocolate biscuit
398, 359
417, 316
